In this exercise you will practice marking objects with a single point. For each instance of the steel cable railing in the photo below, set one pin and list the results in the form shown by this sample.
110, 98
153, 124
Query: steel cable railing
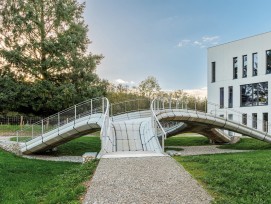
64, 118
157, 127
129, 106
214, 110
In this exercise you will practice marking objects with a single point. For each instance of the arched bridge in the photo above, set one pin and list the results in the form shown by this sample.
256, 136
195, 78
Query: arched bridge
134, 126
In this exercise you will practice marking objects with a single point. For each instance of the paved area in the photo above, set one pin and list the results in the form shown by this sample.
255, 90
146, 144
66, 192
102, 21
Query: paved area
144, 180
125, 154
76, 159
199, 150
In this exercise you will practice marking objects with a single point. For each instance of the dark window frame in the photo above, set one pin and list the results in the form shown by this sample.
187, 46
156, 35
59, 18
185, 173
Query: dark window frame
249, 91
244, 119
230, 96
235, 68
244, 66
268, 62
253, 62
255, 120
265, 122
213, 72
221, 97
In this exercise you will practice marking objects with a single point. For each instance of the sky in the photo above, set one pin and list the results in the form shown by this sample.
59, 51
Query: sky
167, 39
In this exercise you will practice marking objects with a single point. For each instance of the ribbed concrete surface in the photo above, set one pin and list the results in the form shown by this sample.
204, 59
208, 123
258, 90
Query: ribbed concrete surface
144, 180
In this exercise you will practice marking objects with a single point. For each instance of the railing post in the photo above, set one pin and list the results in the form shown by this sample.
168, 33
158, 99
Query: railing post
91, 107
195, 105
17, 135
32, 131
103, 106
58, 119
42, 128
163, 143
74, 113
205, 106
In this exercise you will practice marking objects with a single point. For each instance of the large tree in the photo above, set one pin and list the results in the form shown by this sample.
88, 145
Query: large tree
149, 87
44, 43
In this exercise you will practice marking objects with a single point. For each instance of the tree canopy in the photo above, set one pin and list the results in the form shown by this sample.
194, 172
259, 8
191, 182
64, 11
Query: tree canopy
149, 87
44, 53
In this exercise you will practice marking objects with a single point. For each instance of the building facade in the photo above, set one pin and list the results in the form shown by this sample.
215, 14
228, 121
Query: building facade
239, 79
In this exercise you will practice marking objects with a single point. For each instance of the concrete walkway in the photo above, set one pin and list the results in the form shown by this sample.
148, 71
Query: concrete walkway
144, 180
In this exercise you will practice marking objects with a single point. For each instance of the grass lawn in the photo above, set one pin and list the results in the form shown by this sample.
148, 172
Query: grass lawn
233, 178
248, 144
35, 181
8, 130
180, 140
79, 146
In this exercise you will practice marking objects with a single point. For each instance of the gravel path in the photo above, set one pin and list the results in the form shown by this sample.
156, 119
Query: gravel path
144, 180
76, 159
199, 150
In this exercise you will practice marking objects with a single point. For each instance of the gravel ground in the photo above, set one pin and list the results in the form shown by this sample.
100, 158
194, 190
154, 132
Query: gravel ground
198, 150
144, 180
77, 159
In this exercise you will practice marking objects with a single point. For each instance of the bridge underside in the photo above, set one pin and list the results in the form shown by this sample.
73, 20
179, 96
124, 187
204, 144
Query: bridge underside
215, 135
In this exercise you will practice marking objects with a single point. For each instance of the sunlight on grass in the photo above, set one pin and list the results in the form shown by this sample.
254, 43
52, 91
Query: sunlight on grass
233, 178
187, 141
35, 181
248, 144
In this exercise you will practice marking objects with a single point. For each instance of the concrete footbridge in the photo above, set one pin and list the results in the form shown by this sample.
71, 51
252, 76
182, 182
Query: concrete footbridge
135, 127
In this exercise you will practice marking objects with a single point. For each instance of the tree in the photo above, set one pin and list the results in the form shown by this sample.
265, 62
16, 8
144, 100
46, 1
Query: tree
44, 42
149, 87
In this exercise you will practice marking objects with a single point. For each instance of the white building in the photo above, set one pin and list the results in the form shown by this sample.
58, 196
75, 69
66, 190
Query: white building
239, 78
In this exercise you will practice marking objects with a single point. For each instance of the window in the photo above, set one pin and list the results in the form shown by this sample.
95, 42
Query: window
254, 120
244, 119
268, 61
265, 122
221, 97
254, 94
213, 71
254, 64
235, 67
244, 66
230, 117
230, 104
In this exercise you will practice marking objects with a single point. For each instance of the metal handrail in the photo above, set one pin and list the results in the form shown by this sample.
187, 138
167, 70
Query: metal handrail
104, 134
157, 125
209, 108
129, 106
56, 121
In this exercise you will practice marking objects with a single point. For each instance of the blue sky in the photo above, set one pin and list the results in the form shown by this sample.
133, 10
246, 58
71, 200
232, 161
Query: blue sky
168, 39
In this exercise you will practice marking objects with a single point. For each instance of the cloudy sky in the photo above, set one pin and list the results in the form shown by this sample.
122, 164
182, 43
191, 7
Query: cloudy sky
168, 39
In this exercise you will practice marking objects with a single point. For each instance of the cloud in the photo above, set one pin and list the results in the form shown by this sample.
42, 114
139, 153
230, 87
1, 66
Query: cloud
210, 38
205, 41
121, 81
201, 93
183, 43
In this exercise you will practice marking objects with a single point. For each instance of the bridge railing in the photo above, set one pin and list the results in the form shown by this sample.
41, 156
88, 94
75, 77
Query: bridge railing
60, 119
107, 138
157, 127
129, 106
206, 107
